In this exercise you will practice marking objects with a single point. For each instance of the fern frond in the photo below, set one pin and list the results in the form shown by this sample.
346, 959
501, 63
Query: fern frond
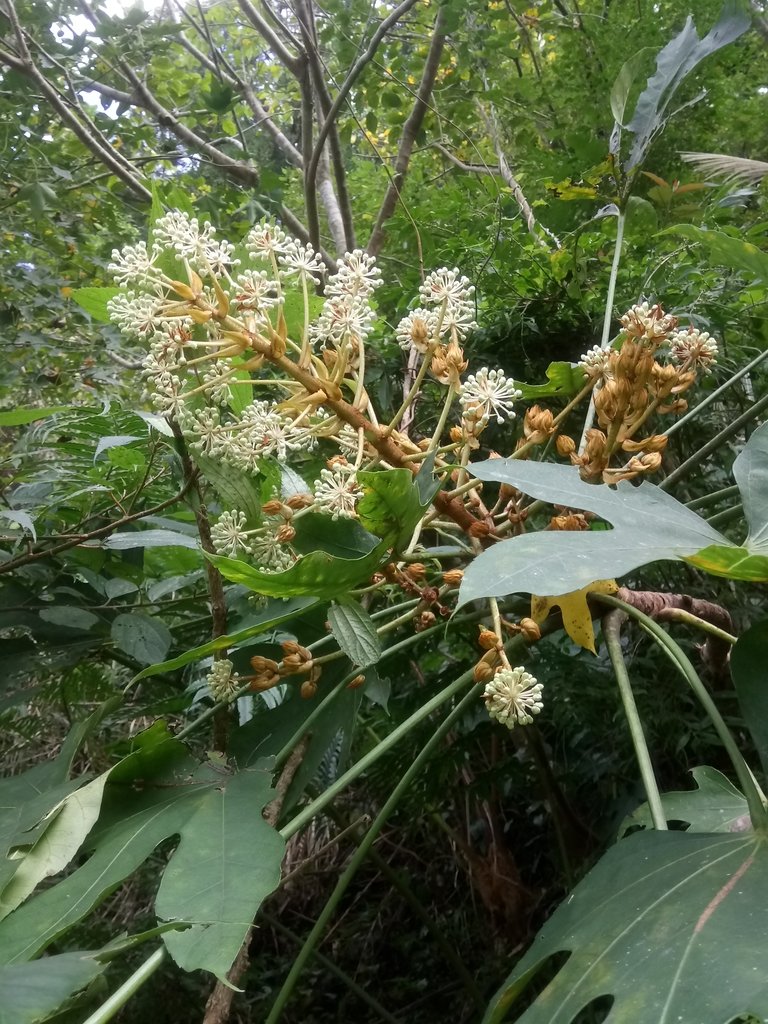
732, 168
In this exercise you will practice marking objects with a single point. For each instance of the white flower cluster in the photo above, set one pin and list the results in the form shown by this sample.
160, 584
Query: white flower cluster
513, 697
347, 314
337, 492
693, 348
231, 537
595, 361
222, 681
488, 393
448, 311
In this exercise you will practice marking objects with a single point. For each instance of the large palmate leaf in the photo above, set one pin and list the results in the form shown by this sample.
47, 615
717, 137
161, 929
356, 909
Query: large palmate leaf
227, 861
31, 992
671, 925
749, 668
750, 471
714, 806
564, 379
673, 64
648, 525
228, 856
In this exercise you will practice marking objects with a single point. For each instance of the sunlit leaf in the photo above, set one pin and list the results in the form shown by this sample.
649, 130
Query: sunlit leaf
577, 617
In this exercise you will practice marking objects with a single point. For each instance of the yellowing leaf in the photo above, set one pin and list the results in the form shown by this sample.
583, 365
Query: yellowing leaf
577, 618
66, 291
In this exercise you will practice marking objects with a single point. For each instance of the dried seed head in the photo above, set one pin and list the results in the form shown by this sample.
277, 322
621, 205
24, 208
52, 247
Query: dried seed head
272, 508
423, 621
285, 534
479, 529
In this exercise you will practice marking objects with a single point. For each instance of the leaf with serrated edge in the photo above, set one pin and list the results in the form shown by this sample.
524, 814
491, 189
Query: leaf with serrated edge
355, 633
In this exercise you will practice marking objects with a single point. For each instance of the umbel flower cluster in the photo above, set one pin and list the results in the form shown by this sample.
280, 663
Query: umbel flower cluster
240, 356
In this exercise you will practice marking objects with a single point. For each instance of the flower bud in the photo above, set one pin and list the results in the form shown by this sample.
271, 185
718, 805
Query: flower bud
308, 689
263, 665
285, 534
530, 630
416, 571
356, 683
487, 639
564, 445
423, 621
298, 501
272, 508
482, 672
453, 577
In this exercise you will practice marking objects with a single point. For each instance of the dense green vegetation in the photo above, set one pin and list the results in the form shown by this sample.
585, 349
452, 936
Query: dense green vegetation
305, 690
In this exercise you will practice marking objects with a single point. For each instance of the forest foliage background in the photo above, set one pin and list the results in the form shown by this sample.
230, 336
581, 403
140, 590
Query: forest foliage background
468, 134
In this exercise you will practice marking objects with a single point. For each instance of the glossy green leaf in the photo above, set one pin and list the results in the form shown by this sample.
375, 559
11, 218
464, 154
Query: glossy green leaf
391, 505
648, 927
94, 301
317, 574
726, 250
734, 563
32, 992
562, 379
355, 633
227, 861
715, 805
649, 525
268, 621
749, 669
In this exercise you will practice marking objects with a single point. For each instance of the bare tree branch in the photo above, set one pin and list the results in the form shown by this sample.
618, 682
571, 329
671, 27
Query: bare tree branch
294, 63
410, 131
513, 184
467, 168
354, 73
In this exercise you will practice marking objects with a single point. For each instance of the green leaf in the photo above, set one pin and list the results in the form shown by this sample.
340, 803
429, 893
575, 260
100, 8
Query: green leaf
32, 992
673, 64
355, 633
20, 518
562, 379
266, 623
318, 574
391, 505
242, 394
72, 820
750, 471
345, 538
18, 417
649, 927
749, 668
236, 488
726, 250
127, 539
649, 525
70, 616
142, 638
94, 301
377, 689
714, 806
731, 562
625, 79
227, 861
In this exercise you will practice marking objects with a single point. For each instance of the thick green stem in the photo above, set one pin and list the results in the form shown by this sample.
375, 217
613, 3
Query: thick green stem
754, 797
129, 988
362, 850
612, 634
715, 394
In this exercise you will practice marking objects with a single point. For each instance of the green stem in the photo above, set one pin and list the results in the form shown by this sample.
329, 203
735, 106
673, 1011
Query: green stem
715, 394
713, 497
130, 987
607, 316
330, 966
754, 797
612, 634
713, 445
362, 850
726, 515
